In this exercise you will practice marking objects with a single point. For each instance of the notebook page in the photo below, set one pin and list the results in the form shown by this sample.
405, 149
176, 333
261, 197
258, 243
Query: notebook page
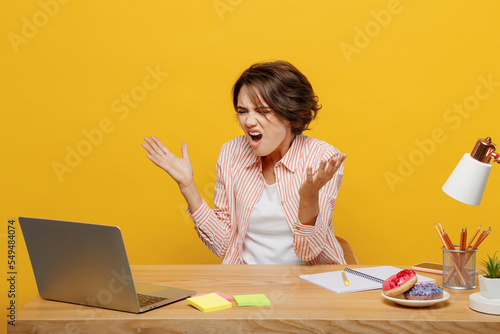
333, 280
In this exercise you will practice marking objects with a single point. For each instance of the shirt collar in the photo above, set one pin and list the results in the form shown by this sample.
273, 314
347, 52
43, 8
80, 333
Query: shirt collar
291, 157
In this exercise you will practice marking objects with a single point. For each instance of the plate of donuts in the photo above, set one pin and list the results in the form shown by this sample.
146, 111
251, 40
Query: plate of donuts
403, 289
401, 300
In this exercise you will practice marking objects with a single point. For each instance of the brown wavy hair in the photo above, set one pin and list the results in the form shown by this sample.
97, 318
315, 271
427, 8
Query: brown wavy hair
285, 90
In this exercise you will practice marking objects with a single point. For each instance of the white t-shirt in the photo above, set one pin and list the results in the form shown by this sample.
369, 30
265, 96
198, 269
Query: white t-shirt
269, 238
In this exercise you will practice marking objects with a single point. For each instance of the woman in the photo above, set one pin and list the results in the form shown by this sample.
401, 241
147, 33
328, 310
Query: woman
276, 188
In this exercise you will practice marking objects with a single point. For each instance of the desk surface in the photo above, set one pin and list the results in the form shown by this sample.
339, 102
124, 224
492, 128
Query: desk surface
297, 306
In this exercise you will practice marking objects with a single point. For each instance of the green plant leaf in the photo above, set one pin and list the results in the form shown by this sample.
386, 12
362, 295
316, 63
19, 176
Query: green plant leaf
491, 266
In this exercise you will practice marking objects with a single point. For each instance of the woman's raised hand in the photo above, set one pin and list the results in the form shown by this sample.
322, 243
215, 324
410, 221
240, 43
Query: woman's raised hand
309, 190
180, 169
313, 183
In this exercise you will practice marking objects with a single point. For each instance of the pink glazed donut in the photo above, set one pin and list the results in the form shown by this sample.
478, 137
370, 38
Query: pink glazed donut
399, 283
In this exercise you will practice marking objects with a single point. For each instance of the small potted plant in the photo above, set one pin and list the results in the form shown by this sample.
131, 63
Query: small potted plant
489, 281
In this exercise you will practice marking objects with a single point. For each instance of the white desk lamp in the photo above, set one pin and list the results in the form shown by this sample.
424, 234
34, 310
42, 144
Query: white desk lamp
467, 182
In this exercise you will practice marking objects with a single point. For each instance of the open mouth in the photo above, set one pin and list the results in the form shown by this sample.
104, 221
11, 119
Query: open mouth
256, 137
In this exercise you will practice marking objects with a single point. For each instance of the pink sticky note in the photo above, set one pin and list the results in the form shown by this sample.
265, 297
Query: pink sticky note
226, 297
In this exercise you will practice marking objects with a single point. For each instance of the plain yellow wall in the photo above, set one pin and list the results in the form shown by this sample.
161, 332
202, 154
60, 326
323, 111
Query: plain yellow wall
407, 88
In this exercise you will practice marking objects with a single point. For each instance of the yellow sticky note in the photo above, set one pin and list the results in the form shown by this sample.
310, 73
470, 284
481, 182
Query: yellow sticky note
209, 302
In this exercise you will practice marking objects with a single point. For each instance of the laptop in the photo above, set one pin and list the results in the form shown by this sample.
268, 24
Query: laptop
87, 264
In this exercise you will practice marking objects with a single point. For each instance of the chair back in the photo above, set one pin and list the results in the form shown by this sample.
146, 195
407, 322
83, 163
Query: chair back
349, 256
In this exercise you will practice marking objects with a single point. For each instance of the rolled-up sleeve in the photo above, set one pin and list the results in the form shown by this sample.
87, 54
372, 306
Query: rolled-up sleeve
214, 226
317, 244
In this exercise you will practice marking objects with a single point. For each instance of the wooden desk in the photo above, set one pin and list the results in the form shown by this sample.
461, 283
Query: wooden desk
297, 306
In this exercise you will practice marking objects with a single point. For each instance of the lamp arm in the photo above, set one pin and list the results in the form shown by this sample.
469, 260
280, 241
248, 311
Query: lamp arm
495, 156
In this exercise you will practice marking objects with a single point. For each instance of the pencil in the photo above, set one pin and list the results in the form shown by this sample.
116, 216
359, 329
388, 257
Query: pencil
440, 235
346, 281
463, 239
481, 238
478, 241
474, 236
484, 235
455, 260
447, 239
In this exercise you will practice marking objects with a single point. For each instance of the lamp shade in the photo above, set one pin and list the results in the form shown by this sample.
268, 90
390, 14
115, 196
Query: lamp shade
467, 182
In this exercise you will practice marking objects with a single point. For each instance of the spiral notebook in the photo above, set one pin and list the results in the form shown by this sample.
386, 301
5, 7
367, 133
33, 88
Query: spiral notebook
360, 279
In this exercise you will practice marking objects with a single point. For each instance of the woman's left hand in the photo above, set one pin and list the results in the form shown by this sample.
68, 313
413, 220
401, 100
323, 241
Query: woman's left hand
313, 183
309, 190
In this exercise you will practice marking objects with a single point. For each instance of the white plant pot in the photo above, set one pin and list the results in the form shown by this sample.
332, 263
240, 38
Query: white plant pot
489, 287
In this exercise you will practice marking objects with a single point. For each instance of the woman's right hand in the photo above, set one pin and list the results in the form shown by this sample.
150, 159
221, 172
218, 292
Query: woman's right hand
180, 169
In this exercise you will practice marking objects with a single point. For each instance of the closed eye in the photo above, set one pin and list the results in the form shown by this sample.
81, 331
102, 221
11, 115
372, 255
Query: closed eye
263, 110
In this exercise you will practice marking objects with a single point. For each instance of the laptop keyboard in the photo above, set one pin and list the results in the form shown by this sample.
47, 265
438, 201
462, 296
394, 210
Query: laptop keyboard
145, 300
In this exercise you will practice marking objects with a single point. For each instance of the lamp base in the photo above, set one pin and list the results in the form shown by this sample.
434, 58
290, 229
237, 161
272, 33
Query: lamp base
484, 305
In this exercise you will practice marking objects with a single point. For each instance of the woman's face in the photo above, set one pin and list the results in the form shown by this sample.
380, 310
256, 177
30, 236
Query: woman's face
266, 132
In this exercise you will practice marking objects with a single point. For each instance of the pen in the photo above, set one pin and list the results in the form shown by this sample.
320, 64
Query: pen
346, 281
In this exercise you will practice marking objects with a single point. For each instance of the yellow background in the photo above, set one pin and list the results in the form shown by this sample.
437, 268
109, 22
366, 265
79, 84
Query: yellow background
388, 74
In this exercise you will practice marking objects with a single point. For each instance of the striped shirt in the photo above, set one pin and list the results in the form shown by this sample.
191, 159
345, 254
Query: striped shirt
239, 184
